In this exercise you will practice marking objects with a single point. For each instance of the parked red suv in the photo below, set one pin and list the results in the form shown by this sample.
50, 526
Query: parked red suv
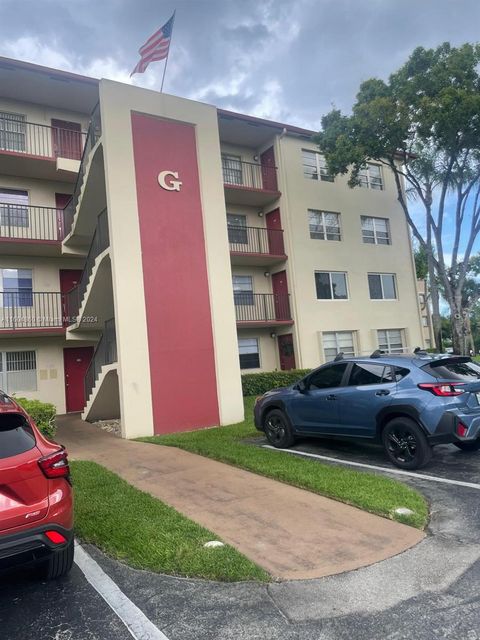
36, 504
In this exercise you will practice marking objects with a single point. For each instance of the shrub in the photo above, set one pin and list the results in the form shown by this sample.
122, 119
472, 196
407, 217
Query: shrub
42, 413
254, 384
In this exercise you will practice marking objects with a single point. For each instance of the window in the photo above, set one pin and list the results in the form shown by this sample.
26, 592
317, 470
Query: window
466, 371
382, 286
328, 377
331, 285
336, 341
243, 290
425, 321
400, 373
16, 435
12, 132
365, 373
371, 176
249, 354
16, 288
315, 166
391, 340
13, 208
324, 225
375, 230
232, 169
237, 229
18, 371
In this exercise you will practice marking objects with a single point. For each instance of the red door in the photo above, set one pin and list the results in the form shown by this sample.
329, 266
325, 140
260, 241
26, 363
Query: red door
75, 362
269, 171
275, 233
69, 278
280, 295
67, 139
61, 201
286, 352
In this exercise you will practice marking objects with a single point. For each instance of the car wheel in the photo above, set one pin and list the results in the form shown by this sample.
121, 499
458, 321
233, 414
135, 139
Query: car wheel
60, 562
468, 446
277, 429
405, 444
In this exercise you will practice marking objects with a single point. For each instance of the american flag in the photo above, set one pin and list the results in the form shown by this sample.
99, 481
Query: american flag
156, 47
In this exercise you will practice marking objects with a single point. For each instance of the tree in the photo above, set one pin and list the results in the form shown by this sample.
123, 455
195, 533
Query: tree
424, 125
425, 271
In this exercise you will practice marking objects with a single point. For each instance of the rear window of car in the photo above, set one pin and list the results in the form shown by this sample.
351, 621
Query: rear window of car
466, 371
16, 435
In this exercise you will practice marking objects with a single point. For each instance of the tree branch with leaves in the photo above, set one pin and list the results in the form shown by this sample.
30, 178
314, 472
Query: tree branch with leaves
423, 124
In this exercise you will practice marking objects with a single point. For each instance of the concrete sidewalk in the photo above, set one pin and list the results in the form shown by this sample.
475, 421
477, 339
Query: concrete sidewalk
292, 533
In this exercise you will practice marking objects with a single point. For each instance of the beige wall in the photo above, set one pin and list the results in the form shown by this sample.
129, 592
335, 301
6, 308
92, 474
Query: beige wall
351, 255
268, 348
50, 371
41, 114
117, 101
41, 193
45, 271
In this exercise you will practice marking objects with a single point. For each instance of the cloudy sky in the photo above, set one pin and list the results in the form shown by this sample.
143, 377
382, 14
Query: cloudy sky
288, 60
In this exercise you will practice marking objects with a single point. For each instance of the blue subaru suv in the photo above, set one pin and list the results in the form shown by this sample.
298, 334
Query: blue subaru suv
407, 402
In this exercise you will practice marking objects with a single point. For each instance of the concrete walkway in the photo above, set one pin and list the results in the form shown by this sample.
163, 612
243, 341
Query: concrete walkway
292, 533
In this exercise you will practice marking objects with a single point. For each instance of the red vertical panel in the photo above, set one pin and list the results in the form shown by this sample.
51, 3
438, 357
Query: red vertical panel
177, 303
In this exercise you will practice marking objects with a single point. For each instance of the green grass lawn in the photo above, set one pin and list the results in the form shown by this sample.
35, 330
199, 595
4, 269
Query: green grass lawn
135, 527
372, 492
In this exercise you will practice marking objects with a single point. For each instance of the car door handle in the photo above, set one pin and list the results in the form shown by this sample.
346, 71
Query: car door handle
331, 396
383, 392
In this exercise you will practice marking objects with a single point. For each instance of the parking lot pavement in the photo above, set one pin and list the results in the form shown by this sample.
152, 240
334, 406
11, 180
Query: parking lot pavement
66, 609
447, 461
431, 591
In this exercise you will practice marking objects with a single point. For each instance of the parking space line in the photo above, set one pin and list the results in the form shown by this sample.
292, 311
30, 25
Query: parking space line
400, 472
137, 623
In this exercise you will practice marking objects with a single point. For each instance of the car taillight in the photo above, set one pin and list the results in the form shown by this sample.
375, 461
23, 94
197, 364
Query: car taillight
55, 537
443, 389
462, 430
55, 465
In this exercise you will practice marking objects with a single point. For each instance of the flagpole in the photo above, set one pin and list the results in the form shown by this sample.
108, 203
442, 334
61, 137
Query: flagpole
168, 54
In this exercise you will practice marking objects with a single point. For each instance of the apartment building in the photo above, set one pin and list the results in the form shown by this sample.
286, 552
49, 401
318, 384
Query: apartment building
182, 245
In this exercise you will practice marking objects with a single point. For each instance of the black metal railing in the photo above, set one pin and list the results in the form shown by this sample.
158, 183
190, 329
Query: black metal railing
249, 174
27, 222
105, 353
256, 240
262, 307
100, 242
29, 138
24, 309
93, 134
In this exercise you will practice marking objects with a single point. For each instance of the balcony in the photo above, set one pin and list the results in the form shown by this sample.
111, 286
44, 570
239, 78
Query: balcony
42, 151
76, 298
28, 312
26, 229
262, 309
249, 183
101, 379
256, 245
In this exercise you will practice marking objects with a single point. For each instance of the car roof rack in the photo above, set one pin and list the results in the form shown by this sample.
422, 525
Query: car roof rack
418, 351
339, 356
378, 353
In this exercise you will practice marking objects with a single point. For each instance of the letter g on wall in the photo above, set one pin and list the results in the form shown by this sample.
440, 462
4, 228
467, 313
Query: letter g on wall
169, 181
